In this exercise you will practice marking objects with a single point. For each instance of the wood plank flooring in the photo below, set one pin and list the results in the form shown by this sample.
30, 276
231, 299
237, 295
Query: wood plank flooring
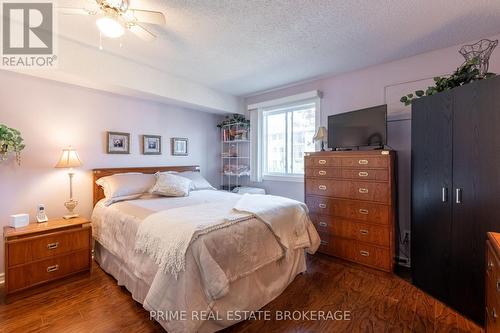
378, 302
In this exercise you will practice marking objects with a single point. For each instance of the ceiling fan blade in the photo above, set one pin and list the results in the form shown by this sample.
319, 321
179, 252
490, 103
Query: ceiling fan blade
146, 16
72, 11
142, 32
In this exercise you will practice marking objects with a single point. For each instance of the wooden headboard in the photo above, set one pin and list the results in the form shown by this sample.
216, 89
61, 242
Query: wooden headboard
99, 173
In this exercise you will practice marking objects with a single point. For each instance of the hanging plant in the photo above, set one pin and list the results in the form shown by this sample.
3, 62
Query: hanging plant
10, 142
464, 74
235, 119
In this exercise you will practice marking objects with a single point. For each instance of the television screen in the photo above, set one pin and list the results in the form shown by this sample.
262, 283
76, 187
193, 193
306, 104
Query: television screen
366, 127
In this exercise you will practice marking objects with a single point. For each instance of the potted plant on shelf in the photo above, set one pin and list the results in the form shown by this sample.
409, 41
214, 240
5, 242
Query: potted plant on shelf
234, 127
10, 142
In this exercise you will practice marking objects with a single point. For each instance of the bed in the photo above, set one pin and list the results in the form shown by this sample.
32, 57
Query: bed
228, 272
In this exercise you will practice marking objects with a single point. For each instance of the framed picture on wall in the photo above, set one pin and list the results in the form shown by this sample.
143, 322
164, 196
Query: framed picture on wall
118, 143
179, 146
151, 144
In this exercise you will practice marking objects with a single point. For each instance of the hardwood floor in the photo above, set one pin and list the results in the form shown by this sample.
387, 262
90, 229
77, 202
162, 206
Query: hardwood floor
378, 302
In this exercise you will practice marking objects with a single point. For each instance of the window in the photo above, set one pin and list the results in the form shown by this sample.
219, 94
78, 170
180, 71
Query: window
287, 133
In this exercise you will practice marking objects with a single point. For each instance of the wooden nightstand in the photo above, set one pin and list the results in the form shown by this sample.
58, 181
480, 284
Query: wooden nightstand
43, 252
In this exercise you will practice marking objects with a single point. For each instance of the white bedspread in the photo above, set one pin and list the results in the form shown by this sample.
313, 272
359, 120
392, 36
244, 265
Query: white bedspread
214, 260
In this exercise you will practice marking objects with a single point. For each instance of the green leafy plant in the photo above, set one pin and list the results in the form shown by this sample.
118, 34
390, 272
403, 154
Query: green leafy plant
464, 74
234, 119
10, 142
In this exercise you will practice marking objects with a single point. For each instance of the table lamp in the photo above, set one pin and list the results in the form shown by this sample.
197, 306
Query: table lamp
69, 159
321, 135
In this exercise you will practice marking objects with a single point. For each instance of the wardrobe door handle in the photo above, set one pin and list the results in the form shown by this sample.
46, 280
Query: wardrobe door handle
458, 196
444, 194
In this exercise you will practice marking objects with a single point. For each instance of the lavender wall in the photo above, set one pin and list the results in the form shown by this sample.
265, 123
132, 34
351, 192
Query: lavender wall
52, 115
369, 87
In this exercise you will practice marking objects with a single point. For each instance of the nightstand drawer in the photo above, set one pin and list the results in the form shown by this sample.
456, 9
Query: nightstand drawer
48, 245
38, 272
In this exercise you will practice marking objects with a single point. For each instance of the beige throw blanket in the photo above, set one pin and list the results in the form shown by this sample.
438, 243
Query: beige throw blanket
287, 219
165, 236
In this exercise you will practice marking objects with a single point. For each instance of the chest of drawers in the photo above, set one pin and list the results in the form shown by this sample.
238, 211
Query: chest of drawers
350, 196
43, 252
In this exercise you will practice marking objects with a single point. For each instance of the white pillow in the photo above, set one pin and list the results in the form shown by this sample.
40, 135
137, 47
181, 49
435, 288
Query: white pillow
171, 185
125, 186
198, 182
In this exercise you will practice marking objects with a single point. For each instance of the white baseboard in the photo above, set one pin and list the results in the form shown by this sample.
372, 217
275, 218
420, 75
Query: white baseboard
2, 278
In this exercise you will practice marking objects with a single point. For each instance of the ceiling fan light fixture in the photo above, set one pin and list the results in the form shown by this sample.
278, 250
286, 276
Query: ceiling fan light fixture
110, 27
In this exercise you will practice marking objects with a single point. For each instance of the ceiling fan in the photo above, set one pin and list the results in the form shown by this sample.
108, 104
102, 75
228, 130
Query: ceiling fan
114, 17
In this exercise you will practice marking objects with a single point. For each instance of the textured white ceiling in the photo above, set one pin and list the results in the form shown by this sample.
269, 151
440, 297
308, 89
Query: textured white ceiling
243, 46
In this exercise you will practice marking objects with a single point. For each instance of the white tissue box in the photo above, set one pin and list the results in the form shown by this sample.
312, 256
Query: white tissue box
19, 220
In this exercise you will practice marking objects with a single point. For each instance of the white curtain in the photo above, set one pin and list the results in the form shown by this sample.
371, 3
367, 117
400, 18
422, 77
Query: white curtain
256, 148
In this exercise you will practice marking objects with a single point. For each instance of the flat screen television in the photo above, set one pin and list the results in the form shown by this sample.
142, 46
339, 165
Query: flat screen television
365, 127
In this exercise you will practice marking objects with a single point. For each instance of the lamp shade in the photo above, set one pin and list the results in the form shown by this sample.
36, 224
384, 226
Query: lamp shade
321, 134
69, 159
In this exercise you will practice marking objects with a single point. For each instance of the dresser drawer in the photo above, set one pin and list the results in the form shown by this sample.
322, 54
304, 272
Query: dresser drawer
319, 161
362, 211
370, 233
368, 191
333, 226
338, 247
373, 256
323, 173
366, 162
366, 174
340, 227
44, 246
24, 276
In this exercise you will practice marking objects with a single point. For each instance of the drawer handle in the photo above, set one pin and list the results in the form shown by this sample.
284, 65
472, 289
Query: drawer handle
363, 211
364, 232
490, 265
363, 190
363, 162
52, 246
322, 205
363, 174
322, 172
52, 268
322, 162
322, 187
364, 253
494, 314
322, 224
324, 242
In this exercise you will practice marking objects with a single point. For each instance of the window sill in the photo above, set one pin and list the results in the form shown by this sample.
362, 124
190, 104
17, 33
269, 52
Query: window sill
284, 178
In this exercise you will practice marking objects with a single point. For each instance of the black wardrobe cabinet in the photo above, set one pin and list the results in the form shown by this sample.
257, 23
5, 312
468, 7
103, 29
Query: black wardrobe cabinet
455, 192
